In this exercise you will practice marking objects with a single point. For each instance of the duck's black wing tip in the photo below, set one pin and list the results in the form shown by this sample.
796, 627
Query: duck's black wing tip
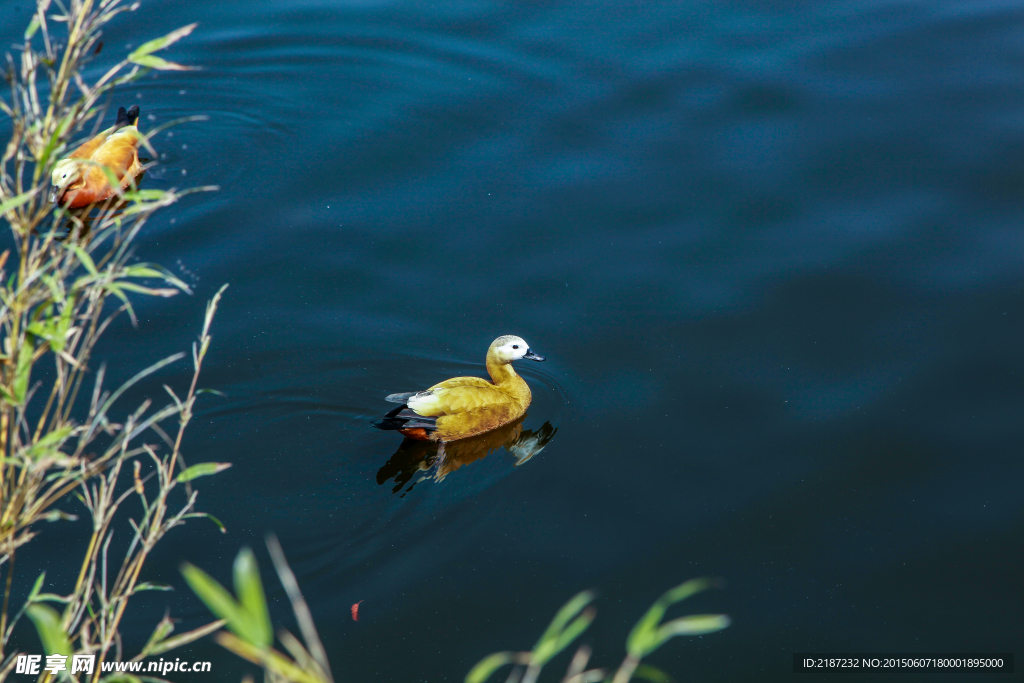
403, 418
126, 117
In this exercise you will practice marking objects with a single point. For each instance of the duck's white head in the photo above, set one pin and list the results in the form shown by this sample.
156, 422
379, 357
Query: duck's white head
64, 173
509, 348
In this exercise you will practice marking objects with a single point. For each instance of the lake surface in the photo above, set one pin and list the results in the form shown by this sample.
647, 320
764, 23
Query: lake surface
773, 252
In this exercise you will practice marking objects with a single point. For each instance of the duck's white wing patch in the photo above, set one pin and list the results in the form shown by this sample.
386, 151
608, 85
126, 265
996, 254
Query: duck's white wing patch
425, 403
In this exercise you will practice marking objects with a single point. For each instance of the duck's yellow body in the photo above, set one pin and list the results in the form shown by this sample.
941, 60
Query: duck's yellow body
461, 407
466, 406
82, 178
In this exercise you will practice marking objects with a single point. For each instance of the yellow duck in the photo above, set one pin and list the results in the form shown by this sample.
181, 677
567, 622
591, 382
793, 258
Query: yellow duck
465, 406
80, 179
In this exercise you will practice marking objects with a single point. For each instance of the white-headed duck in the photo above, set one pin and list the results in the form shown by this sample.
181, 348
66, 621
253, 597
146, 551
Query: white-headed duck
465, 406
80, 179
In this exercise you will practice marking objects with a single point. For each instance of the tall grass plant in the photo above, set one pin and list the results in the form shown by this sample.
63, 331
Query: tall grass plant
67, 442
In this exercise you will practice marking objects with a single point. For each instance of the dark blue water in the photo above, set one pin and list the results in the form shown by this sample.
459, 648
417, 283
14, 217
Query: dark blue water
774, 253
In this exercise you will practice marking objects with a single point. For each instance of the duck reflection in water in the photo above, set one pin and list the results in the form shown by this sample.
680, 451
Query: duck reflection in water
415, 456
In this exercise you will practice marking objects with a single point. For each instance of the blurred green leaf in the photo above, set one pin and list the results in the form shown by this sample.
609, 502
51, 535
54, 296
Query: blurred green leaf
47, 622
51, 328
162, 630
56, 141
41, 328
575, 629
116, 291
55, 515
488, 665
60, 334
49, 443
149, 586
692, 625
144, 195
85, 259
558, 636
203, 469
207, 515
652, 674
686, 589
160, 43
148, 291
644, 637
218, 600
22, 373
15, 202
154, 62
249, 589
36, 587
186, 638
269, 659
33, 26
143, 271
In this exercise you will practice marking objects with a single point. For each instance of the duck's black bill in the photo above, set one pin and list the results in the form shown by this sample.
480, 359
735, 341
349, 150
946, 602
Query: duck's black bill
53, 195
530, 355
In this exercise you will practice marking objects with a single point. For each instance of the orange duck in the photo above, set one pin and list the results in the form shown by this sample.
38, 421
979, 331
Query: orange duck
82, 178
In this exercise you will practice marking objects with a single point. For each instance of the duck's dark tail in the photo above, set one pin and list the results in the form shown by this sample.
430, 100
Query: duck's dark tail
126, 117
391, 420
402, 418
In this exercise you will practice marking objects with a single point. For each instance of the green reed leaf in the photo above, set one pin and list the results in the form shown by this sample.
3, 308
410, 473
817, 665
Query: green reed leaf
162, 630
50, 442
220, 602
574, 630
143, 271
652, 674
36, 587
488, 665
558, 635
157, 44
51, 634
16, 201
154, 62
22, 373
644, 637
203, 469
692, 625
207, 515
185, 638
148, 291
33, 26
249, 589
85, 259
148, 586
269, 659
